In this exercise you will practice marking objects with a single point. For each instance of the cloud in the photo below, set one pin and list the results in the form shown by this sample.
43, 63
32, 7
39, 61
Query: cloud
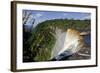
65, 14
38, 15
87, 17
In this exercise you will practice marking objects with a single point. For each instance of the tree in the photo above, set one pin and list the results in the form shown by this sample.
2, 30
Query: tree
27, 54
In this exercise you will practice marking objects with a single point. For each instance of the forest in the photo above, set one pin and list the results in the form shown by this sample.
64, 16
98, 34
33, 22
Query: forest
39, 41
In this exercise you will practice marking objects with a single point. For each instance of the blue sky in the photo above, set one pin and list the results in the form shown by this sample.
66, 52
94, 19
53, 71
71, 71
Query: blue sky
41, 16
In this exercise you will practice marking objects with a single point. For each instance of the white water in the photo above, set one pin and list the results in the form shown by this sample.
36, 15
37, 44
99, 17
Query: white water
69, 40
60, 38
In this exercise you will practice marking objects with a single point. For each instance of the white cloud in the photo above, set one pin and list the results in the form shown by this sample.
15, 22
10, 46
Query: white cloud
38, 15
65, 14
87, 17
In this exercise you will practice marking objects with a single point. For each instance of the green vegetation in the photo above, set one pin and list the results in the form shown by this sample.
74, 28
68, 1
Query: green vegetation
38, 44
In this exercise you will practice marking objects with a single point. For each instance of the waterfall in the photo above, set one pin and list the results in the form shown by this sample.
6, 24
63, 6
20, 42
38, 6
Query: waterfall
60, 38
70, 40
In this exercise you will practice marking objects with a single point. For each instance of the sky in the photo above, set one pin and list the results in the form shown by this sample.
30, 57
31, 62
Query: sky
41, 16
